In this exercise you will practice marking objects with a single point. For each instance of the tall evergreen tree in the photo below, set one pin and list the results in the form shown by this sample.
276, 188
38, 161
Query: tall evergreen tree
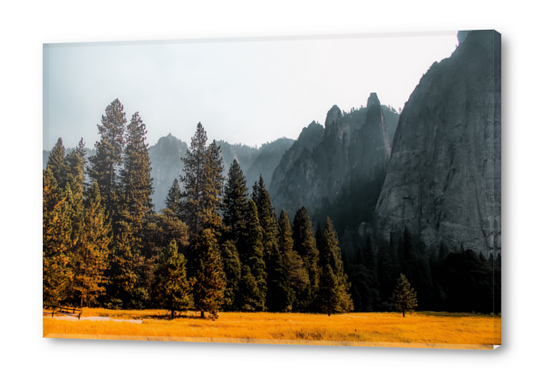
212, 188
404, 296
329, 300
305, 245
76, 162
235, 200
172, 288
209, 279
232, 270
89, 258
135, 175
330, 255
57, 241
280, 295
297, 273
251, 253
249, 294
174, 199
193, 178
123, 264
57, 163
105, 165
202, 182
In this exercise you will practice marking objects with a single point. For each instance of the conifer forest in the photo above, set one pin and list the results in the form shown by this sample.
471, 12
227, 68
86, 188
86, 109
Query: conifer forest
378, 210
220, 245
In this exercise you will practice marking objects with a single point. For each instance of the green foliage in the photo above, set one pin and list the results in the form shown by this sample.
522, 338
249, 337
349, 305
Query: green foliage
280, 295
404, 297
57, 229
249, 294
329, 300
172, 288
57, 163
160, 229
135, 175
75, 162
174, 199
330, 256
232, 269
298, 275
124, 259
89, 256
365, 291
251, 253
210, 279
235, 201
202, 182
305, 245
105, 165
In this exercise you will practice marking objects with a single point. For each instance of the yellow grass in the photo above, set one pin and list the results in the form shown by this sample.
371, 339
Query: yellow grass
424, 329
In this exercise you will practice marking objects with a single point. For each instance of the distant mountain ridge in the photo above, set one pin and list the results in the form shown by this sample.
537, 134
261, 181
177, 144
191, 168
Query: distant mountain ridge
166, 154
322, 164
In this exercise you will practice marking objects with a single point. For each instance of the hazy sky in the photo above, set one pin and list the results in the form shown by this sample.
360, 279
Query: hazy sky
242, 91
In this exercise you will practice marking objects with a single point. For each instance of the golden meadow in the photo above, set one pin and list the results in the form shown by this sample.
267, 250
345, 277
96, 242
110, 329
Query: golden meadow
418, 329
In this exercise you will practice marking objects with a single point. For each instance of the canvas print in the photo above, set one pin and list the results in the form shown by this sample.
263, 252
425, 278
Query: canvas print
331, 190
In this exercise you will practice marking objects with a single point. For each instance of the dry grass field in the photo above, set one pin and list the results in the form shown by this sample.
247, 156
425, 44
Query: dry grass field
421, 329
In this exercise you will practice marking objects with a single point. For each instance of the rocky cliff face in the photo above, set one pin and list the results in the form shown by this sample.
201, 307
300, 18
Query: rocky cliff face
443, 177
166, 166
318, 166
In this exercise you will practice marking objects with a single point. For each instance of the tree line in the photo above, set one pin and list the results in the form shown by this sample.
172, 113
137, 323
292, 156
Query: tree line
218, 247
214, 247
458, 281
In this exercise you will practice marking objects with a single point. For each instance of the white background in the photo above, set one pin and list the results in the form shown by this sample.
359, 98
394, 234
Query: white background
25, 26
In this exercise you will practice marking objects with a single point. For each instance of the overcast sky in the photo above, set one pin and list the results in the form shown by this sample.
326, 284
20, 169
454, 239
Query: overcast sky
242, 91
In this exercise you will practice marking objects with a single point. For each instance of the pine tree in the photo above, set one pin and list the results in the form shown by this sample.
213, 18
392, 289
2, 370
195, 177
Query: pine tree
135, 175
297, 273
212, 188
209, 279
174, 199
249, 293
76, 162
251, 253
105, 165
280, 295
305, 245
232, 270
404, 296
124, 262
57, 241
235, 200
329, 300
57, 163
172, 288
330, 255
194, 167
89, 258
